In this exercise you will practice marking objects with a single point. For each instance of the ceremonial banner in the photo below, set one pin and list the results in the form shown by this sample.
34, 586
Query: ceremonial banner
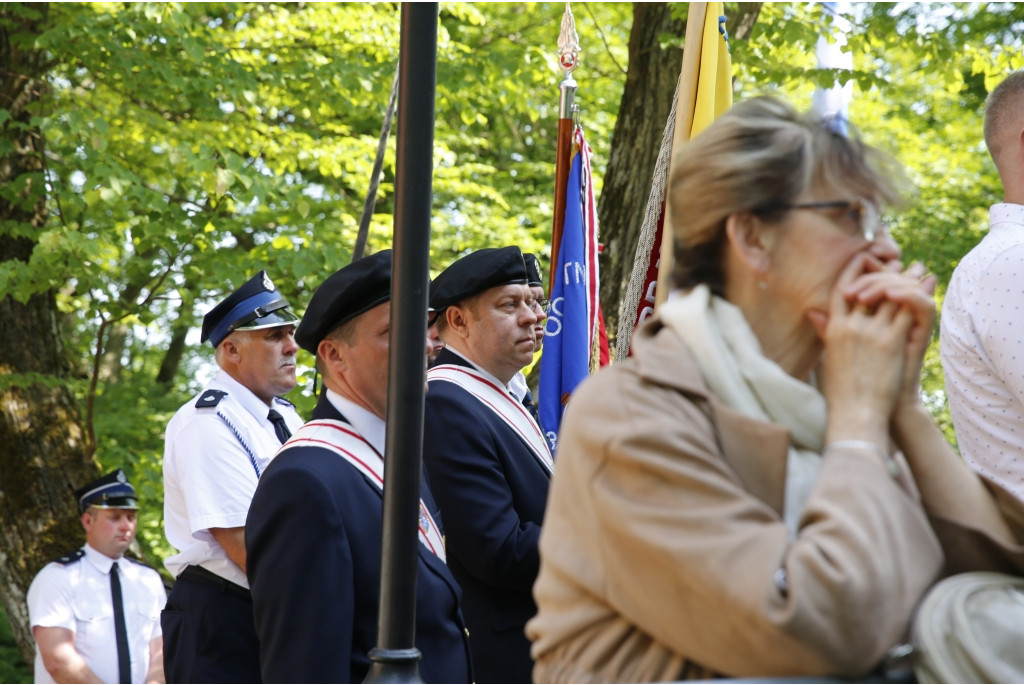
572, 330
704, 92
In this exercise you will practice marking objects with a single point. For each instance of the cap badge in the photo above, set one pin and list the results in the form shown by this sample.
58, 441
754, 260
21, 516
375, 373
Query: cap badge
121, 478
268, 284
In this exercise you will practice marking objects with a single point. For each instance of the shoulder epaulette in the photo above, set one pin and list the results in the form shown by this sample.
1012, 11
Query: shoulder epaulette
285, 402
210, 398
70, 558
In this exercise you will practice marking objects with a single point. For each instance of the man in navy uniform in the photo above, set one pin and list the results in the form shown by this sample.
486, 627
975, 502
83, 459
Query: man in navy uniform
487, 460
216, 447
314, 529
95, 614
518, 384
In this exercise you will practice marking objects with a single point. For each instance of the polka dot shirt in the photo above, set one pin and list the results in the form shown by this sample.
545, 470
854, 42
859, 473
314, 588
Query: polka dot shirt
982, 347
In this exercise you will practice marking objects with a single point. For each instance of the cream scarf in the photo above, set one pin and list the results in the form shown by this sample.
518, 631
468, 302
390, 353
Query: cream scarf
729, 358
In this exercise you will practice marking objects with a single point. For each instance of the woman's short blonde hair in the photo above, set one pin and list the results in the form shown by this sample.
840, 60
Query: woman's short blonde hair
757, 157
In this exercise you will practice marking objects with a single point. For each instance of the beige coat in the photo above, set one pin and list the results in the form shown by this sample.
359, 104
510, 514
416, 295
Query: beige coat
664, 554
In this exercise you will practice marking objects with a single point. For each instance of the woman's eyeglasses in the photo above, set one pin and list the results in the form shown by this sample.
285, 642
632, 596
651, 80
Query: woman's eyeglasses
861, 213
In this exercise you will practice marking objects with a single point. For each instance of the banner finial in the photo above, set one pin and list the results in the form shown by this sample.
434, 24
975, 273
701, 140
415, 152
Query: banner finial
568, 42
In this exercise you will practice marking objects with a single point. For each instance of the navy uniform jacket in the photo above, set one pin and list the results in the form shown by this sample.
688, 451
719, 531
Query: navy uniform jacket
492, 493
313, 544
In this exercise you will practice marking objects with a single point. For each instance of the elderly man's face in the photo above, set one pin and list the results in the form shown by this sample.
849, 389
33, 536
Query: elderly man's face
265, 360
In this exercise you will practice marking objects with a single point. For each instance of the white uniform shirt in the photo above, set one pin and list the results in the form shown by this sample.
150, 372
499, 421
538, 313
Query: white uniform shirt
211, 469
76, 596
982, 346
518, 386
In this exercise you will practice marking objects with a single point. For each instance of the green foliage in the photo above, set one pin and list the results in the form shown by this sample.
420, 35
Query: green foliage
13, 668
189, 145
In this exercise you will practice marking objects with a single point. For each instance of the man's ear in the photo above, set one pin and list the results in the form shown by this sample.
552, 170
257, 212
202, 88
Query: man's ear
750, 241
231, 348
330, 351
457, 317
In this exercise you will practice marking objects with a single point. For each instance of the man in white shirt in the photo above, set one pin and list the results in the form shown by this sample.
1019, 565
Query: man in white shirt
216, 447
982, 325
95, 614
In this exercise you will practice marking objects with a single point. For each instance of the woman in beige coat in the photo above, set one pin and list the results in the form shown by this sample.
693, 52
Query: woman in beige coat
759, 490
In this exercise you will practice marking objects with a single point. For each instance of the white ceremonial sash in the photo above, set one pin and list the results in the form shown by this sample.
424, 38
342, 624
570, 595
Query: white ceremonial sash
342, 439
502, 403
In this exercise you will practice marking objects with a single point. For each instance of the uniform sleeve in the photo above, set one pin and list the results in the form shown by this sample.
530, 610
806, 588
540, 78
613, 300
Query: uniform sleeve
216, 477
466, 478
300, 572
50, 600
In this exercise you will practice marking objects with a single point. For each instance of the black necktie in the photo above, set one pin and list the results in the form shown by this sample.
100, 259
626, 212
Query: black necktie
124, 659
280, 427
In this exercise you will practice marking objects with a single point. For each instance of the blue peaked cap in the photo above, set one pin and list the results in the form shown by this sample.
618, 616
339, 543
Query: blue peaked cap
112, 491
255, 305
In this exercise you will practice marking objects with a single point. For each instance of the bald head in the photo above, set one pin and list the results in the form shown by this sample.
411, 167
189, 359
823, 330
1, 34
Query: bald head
1004, 132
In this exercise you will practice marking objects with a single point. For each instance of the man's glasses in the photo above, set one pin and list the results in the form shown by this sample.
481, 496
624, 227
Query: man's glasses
861, 213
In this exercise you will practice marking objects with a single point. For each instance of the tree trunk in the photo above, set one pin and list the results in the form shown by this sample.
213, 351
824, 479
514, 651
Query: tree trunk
646, 102
43, 458
173, 356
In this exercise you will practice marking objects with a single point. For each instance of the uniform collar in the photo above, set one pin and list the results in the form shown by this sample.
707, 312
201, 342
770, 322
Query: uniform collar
243, 395
98, 559
465, 361
366, 423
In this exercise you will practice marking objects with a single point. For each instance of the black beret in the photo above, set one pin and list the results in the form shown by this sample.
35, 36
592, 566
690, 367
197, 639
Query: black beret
476, 272
257, 304
533, 277
347, 293
112, 491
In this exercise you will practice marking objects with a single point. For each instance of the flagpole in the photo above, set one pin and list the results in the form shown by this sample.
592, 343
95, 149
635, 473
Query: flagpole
568, 57
395, 658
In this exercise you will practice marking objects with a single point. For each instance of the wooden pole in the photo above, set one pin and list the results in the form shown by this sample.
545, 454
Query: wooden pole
568, 57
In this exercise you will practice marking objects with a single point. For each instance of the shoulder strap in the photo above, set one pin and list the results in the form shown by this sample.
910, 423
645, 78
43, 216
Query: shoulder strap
70, 557
506, 407
342, 439
210, 399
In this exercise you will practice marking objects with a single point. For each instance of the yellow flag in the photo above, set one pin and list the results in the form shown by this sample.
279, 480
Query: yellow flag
705, 91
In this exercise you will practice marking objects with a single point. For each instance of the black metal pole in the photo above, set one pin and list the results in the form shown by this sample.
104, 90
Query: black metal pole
396, 658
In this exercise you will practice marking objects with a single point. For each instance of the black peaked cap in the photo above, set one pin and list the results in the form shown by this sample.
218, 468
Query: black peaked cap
347, 293
476, 272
